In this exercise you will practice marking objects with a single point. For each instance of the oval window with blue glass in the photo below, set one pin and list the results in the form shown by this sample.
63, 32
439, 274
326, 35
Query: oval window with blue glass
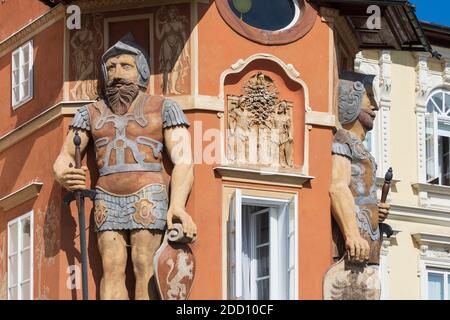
267, 15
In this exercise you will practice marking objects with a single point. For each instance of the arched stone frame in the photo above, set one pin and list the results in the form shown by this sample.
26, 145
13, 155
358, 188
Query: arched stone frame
293, 75
426, 84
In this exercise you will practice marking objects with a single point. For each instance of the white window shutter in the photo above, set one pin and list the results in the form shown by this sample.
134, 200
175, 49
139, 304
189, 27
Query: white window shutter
235, 246
30, 68
432, 152
15, 77
292, 239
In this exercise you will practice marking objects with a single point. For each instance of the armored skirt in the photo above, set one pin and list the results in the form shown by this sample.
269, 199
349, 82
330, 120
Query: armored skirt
145, 209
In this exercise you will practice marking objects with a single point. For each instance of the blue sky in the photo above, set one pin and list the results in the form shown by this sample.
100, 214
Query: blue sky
435, 11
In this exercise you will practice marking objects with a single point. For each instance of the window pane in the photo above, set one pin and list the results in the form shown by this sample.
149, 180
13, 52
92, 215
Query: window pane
263, 289
439, 99
25, 72
12, 270
26, 264
448, 286
13, 293
435, 286
26, 54
262, 258
13, 245
26, 233
16, 61
447, 101
15, 79
262, 228
430, 106
26, 88
16, 94
26, 288
264, 14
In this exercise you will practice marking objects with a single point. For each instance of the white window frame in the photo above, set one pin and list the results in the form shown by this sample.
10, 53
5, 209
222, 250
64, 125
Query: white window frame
431, 263
435, 117
235, 282
446, 274
20, 249
19, 82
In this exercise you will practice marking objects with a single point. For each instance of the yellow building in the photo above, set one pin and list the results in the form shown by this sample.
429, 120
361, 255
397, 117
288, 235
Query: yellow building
412, 135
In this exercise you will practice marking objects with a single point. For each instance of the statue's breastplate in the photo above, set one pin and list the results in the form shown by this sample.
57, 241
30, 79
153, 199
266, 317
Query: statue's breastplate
363, 187
363, 180
132, 142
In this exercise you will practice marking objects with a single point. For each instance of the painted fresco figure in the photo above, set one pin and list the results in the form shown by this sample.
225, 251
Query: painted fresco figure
353, 190
130, 130
172, 58
84, 43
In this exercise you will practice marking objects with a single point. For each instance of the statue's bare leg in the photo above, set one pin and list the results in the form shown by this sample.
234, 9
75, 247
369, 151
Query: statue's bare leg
112, 246
144, 244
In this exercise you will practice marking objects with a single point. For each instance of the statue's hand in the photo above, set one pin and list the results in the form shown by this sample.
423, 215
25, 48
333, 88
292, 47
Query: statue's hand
357, 248
72, 179
189, 227
383, 211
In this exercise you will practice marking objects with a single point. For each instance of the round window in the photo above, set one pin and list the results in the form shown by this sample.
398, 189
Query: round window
269, 21
266, 14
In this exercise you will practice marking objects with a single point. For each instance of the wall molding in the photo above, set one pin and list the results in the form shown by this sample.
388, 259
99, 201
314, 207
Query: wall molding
262, 176
323, 119
21, 195
55, 112
420, 215
31, 29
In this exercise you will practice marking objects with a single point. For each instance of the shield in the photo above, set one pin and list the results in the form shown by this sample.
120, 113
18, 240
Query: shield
347, 280
174, 265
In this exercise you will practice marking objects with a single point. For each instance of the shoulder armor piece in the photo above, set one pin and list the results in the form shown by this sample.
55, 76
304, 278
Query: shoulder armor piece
81, 120
172, 115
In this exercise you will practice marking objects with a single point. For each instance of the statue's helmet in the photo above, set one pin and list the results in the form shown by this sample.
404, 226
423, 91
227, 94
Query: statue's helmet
352, 87
127, 45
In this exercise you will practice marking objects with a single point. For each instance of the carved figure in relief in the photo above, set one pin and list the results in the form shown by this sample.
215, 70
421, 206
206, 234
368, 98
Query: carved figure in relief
174, 59
84, 43
260, 125
285, 140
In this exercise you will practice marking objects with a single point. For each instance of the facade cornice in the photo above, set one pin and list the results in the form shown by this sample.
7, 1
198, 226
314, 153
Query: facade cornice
21, 195
420, 215
31, 29
89, 6
57, 111
434, 188
262, 176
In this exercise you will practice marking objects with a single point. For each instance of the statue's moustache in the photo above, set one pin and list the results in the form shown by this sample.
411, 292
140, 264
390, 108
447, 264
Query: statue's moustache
118, 82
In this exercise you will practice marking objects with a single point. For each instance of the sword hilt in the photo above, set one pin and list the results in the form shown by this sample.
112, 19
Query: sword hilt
77, 143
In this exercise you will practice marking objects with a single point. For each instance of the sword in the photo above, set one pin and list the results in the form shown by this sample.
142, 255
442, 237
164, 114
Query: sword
384, 227
79, 196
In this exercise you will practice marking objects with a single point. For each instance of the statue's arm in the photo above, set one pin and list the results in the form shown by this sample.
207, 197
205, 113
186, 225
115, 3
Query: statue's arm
178, 144
64, 166
343, 208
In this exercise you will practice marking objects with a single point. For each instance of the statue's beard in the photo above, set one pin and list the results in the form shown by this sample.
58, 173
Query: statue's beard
121, 94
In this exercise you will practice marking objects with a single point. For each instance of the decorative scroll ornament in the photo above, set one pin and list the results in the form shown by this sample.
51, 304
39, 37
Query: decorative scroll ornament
259, 125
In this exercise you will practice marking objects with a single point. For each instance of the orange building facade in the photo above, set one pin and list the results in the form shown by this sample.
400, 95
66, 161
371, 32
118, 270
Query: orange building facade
208, 60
